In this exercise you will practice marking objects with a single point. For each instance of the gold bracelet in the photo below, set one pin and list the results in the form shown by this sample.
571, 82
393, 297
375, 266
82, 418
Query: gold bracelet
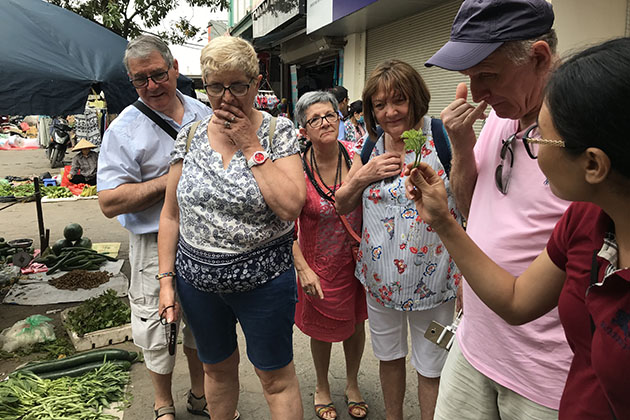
162, 275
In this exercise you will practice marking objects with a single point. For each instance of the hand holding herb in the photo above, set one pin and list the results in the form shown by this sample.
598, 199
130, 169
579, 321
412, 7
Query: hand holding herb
414, 140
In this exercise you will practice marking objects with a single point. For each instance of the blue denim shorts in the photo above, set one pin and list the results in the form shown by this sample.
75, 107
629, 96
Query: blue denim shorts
266, 315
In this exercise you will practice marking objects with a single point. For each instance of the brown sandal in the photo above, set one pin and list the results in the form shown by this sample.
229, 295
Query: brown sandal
163, 411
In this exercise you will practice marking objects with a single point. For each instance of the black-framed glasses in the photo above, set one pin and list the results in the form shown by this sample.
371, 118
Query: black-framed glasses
216, 90
503, 171
140, 82
531, 144
316, 122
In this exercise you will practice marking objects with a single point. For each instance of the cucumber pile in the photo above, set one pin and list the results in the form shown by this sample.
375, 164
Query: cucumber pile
73, 252
81, 363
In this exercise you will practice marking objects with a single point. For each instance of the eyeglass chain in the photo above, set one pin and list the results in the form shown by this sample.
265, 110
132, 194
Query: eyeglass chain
329, 195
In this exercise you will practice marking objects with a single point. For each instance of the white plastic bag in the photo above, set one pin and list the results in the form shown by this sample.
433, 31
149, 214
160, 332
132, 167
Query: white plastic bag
34, 329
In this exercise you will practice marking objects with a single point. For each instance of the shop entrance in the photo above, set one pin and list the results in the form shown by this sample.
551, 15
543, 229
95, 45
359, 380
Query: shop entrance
320, 76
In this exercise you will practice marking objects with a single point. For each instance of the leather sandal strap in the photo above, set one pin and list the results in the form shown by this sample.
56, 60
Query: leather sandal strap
162, 411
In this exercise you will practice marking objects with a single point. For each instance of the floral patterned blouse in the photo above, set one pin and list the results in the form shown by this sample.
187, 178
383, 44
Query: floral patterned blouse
223, 210
402, 262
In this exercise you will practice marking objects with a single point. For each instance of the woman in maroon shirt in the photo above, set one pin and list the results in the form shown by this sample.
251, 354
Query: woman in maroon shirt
581, 142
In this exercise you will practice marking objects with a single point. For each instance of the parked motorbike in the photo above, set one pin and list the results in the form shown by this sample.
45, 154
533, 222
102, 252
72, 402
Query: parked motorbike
59, 142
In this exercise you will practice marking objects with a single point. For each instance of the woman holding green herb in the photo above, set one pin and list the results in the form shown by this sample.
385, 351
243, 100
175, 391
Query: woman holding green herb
409, 276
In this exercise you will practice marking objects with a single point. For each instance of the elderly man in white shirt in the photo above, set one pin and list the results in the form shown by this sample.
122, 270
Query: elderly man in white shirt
132, 171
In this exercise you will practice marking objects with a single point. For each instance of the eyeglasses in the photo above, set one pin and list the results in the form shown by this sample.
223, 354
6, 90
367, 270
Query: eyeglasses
503, 172
157, 78
531, 144
236, 89
317, 122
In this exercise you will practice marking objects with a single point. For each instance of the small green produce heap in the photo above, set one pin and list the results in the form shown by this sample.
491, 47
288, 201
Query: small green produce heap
74, 252
25, 396
56, 192
98, 313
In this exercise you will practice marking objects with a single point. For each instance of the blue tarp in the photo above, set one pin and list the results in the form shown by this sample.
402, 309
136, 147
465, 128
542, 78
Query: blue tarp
50, 58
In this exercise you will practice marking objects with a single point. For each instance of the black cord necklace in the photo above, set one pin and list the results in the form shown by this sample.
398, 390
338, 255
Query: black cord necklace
330, 193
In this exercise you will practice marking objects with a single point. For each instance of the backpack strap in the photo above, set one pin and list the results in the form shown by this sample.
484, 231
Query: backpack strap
191, 134
369, 144
442, 144
142, 107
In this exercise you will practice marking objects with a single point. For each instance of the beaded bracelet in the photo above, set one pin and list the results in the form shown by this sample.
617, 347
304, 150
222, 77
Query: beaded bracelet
162, 275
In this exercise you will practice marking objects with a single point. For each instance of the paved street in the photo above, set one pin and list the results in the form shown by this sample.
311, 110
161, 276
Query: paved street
20, 221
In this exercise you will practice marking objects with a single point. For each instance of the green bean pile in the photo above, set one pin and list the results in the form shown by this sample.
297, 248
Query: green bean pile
24, 396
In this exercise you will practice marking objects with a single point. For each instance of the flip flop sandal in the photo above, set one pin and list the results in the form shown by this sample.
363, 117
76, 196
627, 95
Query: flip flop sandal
353, 405
163, 411
322, 409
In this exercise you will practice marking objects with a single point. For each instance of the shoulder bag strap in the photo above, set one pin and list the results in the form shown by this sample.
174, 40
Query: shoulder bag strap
442, 144
272, 132
351, 232
191, 134
156, 119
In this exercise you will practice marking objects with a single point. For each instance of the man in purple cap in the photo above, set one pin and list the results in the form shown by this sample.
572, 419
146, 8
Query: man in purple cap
507, 49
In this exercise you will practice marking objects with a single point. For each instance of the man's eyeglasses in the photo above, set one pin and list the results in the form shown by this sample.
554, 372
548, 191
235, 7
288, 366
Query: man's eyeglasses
140, 82
531, 144
216, 90
503, 171
317, 122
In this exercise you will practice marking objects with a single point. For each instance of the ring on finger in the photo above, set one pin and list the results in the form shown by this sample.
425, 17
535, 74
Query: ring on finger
227, 124
233, 118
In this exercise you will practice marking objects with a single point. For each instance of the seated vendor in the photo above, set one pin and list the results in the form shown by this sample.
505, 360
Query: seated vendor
83, 169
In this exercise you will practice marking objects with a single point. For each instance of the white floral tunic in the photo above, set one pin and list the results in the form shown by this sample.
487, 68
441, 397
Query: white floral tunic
223, 210
402, 262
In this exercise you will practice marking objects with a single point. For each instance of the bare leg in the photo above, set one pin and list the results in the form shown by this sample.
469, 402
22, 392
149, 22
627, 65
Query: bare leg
427, 396
353, 350
221, 387
282, 392
195, 367
393, 377
321, 359
162, 391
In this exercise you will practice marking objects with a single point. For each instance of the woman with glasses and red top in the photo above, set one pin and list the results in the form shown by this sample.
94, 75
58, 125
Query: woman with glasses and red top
583, 151
234, 189
331, 301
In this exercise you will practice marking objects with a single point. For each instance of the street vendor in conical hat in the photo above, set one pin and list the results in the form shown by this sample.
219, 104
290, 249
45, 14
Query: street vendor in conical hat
84, 163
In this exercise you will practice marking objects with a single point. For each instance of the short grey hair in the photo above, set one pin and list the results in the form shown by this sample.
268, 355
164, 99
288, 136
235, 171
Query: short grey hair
519, 51
312, 98
143, 46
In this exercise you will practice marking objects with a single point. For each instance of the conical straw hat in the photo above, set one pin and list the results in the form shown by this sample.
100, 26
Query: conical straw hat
83, 144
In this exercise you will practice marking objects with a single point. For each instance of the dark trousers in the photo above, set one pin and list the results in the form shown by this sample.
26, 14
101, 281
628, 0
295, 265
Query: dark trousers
80, 179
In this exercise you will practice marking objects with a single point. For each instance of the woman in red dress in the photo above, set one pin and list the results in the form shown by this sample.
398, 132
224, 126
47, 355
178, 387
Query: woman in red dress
331, 301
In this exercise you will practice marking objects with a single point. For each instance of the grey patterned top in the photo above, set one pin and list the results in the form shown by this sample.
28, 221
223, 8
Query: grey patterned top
223, 210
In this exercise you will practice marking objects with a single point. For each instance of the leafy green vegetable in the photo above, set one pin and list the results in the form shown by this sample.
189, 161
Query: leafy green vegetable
414, 140
52, 350
98, 313
25, 396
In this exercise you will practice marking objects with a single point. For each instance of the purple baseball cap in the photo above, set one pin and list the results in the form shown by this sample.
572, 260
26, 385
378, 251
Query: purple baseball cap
482, 26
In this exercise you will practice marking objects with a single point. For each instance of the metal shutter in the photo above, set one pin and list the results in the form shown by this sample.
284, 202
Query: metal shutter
414, 40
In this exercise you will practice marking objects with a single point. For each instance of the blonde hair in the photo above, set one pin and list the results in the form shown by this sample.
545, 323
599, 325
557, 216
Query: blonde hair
228, 53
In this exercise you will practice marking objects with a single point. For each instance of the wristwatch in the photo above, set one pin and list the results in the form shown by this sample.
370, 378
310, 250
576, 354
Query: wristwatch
258, 158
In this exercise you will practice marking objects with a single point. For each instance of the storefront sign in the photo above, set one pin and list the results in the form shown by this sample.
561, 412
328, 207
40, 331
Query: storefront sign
320, 13
272, 13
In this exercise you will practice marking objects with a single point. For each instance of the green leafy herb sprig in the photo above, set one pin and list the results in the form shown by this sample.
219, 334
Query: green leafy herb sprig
414, 140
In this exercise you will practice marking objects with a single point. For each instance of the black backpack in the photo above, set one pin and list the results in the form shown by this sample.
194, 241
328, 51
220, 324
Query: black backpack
440, 139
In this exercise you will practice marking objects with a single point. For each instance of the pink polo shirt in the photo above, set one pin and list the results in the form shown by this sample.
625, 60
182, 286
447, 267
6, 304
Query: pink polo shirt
532, 359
